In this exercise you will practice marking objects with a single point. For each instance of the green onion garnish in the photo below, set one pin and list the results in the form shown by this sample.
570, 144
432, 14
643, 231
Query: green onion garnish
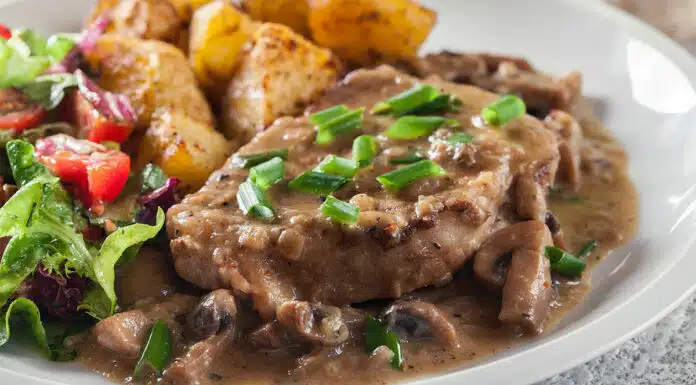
591, 245
317, 183
404, 176
377, 335
563, 262
327, 131
413, 127
503, 110
335, 165
364, 150
413, 156
419, 100
267, 173
158, 350
252, 201
325, 116
441, 104
340, 211
251, 160
459, 138
408, 100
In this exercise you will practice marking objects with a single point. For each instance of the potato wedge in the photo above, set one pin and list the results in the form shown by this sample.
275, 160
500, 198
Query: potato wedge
218, 33
147, 19
279, 73
152, 74
183, 147
186, 8
370, 31
293, 13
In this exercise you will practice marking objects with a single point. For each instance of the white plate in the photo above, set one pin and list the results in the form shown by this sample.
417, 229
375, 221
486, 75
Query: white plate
646, 85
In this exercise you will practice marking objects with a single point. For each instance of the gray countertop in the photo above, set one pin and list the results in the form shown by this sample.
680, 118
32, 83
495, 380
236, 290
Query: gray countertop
665, 354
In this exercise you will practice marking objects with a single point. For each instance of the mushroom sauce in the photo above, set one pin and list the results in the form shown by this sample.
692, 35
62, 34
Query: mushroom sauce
604, 209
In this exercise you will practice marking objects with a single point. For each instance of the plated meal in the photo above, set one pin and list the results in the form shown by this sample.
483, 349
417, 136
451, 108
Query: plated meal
215, 192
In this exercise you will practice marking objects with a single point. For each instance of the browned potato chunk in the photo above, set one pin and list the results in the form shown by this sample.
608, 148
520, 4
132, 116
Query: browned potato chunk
152, 74
370, 31
279, 73
148, 19
218, 33
184, 148
186, 8
293, 13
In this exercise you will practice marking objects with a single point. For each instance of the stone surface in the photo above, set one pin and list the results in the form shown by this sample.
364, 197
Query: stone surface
665, 354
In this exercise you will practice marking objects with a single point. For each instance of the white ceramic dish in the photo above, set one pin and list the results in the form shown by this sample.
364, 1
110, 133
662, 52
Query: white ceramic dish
645, 84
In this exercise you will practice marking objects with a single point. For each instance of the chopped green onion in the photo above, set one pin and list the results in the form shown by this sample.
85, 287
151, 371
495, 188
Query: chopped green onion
268, 173
158, 350
413, 127
404, 176
408, 100
349, 121
413, 156
252, 201
364, 150
459, 138
563, 262
335, 165
419, 100
591, 245
317, 183
503, 110
325, 116
377, 335
340, 211
251, 160
441, 104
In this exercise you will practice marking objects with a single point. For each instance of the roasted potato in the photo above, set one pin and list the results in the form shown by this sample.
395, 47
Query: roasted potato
293, 13
366, 32
186, 8
152, 74
183, 147
147, 19
218, 33
279, 73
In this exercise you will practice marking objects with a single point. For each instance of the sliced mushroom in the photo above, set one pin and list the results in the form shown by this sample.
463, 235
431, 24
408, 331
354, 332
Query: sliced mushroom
191, 367
273, 336
215, 312
569, 135
530, 198
421, 319
123, 333
319, 324
531, 189
526, 285
556, 231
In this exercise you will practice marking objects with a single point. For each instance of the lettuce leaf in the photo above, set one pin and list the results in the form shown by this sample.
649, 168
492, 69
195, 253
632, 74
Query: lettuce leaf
47, 337
31, 317
111, 251
49, 90
21, 257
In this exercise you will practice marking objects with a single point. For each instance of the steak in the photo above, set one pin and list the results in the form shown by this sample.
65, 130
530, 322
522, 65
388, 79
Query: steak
402, 241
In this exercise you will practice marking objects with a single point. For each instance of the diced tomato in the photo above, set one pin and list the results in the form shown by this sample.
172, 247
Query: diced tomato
17, 112
5, 32
95, 126
95, 173
101, 116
